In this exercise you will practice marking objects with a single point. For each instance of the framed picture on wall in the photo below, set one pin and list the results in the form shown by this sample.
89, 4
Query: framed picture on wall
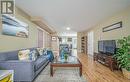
53, 38
112, 27
14, 27
69, 39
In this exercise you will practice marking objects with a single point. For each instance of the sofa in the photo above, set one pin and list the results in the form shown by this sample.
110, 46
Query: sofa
24, 70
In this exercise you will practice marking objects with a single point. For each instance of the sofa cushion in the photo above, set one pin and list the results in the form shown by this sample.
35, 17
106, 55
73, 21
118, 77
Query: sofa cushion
12, 55
39, 62
45, 51
40, 51
50, 55
33, 55
3, 57
24, 54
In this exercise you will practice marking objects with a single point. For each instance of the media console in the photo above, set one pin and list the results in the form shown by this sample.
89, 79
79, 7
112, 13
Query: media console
106, 60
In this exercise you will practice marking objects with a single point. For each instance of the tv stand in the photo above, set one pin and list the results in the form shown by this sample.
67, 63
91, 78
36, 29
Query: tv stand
105, 59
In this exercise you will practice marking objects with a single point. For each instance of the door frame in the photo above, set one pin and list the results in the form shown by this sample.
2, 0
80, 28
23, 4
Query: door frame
90, 43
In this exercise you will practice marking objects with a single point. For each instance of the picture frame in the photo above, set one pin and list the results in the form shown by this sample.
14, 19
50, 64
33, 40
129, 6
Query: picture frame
53, 38
11, 26
69, 39
112, 27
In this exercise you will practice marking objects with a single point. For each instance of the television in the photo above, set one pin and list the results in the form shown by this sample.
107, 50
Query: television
107, 46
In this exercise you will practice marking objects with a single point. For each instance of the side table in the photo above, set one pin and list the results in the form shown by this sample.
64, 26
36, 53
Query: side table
6, 75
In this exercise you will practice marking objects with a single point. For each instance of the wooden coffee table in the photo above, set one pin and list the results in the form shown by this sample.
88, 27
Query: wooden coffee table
71, 62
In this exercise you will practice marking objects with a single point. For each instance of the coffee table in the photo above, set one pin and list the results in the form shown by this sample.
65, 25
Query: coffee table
72, 61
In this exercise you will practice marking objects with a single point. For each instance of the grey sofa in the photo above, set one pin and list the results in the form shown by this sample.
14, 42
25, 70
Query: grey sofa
23, 70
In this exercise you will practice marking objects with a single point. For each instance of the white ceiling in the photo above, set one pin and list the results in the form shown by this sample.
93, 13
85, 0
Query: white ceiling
79, 15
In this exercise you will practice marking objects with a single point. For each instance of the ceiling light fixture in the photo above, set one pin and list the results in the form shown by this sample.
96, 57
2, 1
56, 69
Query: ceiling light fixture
68, 28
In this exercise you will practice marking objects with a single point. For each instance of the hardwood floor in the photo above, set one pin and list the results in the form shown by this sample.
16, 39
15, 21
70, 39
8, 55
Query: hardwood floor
96, 72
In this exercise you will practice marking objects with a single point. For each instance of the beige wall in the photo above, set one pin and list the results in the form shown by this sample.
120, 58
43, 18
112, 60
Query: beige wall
8, 43
55, 44
124, 16
46, 40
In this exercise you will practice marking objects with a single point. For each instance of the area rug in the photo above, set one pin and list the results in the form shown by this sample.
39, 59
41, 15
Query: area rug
60, 75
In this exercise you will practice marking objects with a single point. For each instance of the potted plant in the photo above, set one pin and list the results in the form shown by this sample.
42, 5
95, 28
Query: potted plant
123, 55
66, 56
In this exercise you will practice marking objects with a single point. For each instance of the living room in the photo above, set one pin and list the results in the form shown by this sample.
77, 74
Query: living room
65, 41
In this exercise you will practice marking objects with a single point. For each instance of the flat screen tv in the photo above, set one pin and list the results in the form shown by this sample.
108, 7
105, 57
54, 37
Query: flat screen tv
107, 46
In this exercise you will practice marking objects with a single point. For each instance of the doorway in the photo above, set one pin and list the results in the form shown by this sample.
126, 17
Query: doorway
90, 43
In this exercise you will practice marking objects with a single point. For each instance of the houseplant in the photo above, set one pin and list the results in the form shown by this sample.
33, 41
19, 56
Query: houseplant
66, 56
123, 55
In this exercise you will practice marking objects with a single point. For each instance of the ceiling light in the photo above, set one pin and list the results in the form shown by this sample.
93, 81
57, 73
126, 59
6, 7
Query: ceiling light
68, 28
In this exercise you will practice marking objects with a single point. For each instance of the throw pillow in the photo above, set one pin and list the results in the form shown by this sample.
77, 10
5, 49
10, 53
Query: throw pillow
40, 51
23, 54
44, 51
33, 55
